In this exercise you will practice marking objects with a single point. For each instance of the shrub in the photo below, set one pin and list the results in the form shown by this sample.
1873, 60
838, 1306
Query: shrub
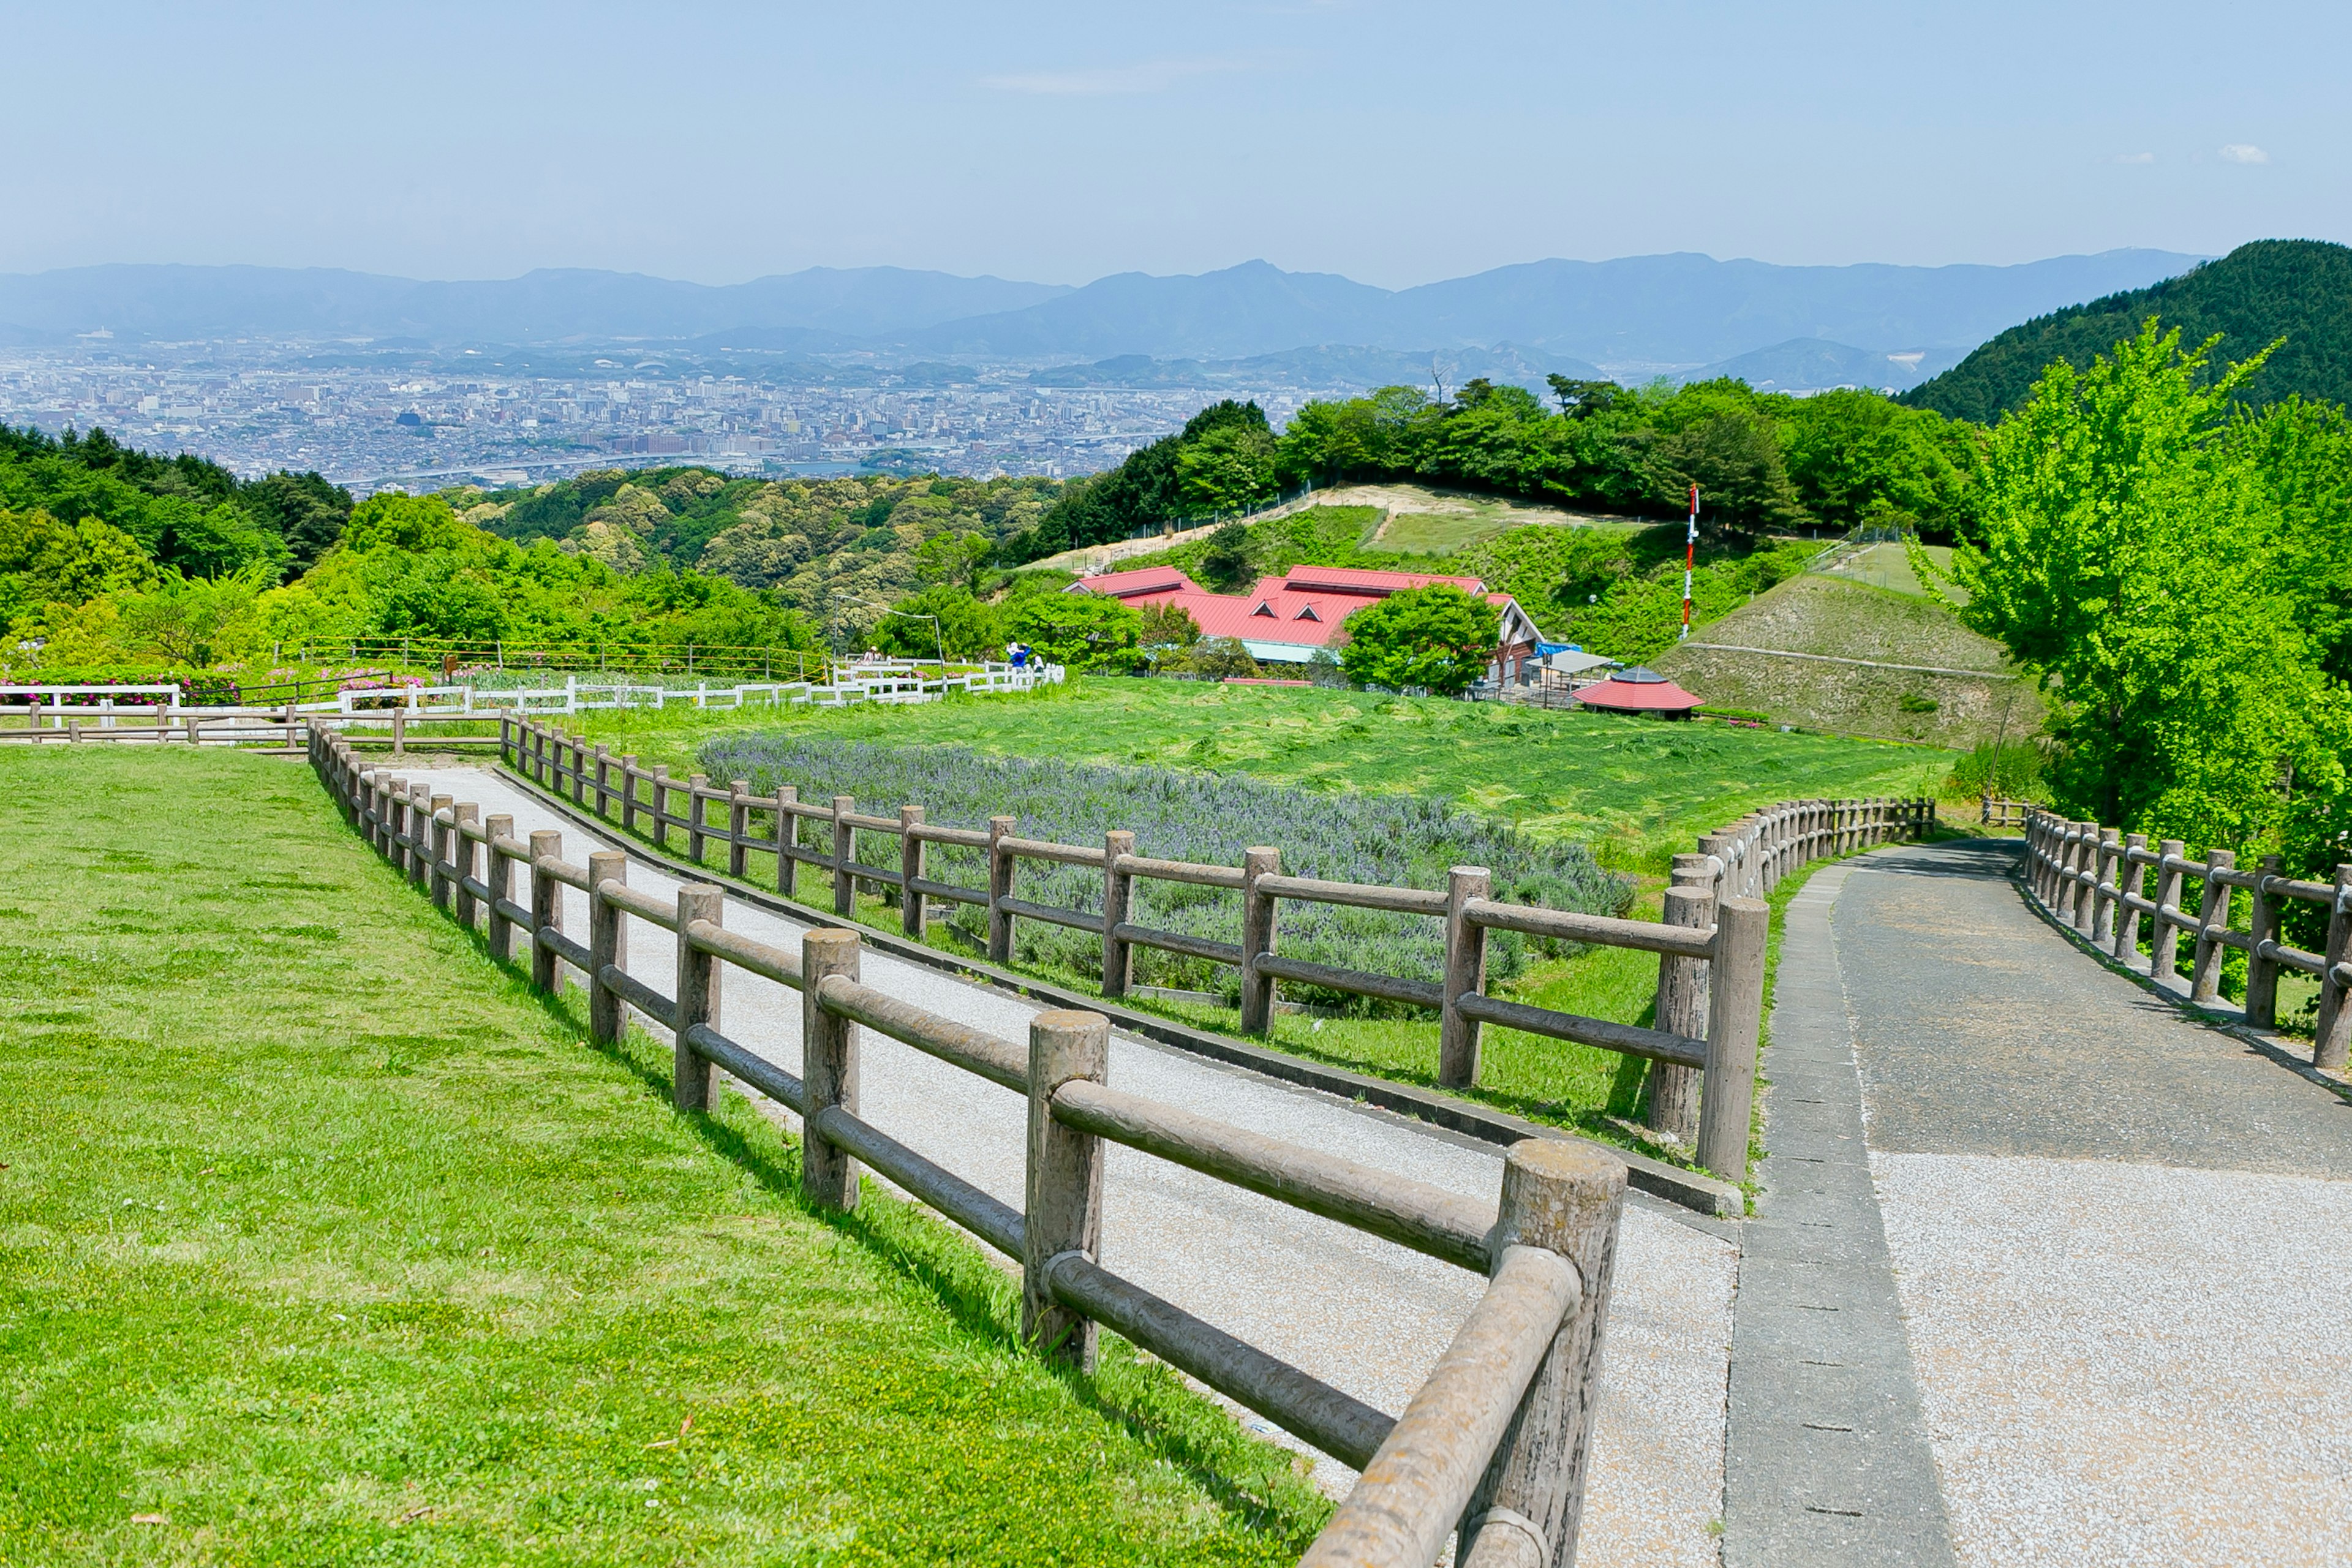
1397, 841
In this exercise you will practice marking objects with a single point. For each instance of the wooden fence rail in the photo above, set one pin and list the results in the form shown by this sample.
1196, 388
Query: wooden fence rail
1724, 935
1493, 1446
2095, 880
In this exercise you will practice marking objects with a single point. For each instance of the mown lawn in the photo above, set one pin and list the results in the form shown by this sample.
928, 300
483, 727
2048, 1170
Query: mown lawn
1636, 790
323, 1241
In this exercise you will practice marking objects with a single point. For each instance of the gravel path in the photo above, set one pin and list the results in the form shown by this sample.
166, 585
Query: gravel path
1366, 1316
2117, 1237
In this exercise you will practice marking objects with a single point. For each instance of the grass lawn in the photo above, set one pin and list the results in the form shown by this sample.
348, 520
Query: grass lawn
323, 1241
1636, 790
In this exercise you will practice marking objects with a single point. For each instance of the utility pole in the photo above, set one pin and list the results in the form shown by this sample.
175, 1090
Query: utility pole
1690, 560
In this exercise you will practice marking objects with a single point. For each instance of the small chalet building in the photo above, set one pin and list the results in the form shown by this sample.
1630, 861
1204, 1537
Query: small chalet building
1638, 690
1285, 619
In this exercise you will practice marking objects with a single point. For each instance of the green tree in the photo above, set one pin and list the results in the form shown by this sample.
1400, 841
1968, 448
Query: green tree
2137, 559
1734, 457
1230, 469
945, 617
1436, 638
44, 562
1079, 631
1227, 564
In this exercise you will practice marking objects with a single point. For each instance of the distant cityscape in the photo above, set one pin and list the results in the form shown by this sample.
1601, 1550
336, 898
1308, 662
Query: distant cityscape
256, 407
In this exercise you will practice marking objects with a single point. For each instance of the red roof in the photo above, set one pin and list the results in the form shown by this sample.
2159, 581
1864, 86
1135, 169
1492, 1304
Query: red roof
1655, 695
1305, 607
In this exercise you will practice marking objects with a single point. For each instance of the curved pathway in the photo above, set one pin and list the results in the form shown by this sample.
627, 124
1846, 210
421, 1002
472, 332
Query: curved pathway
2042, 1271
1365, 1315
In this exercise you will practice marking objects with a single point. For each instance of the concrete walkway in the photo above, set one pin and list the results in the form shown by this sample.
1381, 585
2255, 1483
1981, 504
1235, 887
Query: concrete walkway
1367, 1317
2085, 1257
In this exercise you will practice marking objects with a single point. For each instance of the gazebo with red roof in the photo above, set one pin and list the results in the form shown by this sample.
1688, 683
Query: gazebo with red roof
1638, 690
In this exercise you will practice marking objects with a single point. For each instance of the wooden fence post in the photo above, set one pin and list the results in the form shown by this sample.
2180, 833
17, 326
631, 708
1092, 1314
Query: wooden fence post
911, 859
546, 909
444, 861
698, 996
739, 825
395, 822
2103, 893
1062, 1210
2164, 938
497, 872
1682, 1010
420, 833
604, 779
1465, 974
629, 795
2212, 915
1735, 1017
1566, 1198
845, 852
2332, 1030
2131, 882
788, 830
696, 817
399, 731
2262, 969
1118, 895
608, 947
1257, 936
465, 858
828, 1066
999, 888
579, 770
661, 805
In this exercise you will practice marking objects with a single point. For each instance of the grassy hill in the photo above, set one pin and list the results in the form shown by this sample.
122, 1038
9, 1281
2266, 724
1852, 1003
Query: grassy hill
1822, 653
2300, 290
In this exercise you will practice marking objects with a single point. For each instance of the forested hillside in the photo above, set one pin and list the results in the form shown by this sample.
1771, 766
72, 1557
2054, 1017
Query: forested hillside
1763, 461
2298, 289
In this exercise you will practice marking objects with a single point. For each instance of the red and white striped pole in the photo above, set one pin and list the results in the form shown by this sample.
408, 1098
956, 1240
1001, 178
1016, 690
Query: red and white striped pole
1690, 559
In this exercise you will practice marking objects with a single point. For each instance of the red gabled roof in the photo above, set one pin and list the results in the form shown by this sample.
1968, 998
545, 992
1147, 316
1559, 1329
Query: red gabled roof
1127, 585
1375, 585
1636, 697
1304, 606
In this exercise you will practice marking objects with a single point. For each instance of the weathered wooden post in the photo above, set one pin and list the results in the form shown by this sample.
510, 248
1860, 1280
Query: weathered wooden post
844, 855
629, 795
399, 731
828, 1066
2262, 968
420, 833
1735, 1017
739, 825
1062, 1210
661, 805
697, 994
999, 888
2086, 877
2131, 882
910, 871
1258, 918
608, 946
444, 861
696, 785
546, 908
395, 821
2103, 893
1465, 974
1681, 1010
787, 834
1118, 893
2164, 937
604, 778
2331, 1032
1566, 1198
579, 770
497, 873
2212, 917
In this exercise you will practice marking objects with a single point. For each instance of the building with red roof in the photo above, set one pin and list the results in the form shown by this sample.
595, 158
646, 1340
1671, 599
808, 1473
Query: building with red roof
1637, 690
1283, 619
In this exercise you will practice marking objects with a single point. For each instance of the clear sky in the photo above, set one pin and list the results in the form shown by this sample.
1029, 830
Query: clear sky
1393, 142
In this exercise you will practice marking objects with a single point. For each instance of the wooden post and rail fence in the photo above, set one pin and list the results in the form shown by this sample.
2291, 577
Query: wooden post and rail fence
1493, 1444
1710, 945
2094, 881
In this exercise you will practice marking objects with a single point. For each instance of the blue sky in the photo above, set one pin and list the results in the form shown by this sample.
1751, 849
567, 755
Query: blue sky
1395, 144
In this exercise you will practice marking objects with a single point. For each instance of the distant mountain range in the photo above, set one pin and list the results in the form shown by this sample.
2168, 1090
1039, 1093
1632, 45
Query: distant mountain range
1632, 317
2298, 289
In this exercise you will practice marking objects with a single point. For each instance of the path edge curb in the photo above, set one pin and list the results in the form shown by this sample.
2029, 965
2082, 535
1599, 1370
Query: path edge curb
1705, 1194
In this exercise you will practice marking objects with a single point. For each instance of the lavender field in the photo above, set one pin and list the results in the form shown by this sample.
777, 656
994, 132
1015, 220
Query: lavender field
1398, 840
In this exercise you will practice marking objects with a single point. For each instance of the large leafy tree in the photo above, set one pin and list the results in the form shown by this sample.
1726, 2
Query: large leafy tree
1436, 638
2136, 556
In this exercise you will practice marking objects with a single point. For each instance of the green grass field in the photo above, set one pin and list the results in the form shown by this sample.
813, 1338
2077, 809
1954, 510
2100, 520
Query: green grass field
323, 1241
1637, 791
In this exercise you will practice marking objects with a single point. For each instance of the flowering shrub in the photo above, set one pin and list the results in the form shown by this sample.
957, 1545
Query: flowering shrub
394, 688
1395, 840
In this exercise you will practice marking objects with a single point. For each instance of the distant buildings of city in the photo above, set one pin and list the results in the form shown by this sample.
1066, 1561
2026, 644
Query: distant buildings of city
256, 407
